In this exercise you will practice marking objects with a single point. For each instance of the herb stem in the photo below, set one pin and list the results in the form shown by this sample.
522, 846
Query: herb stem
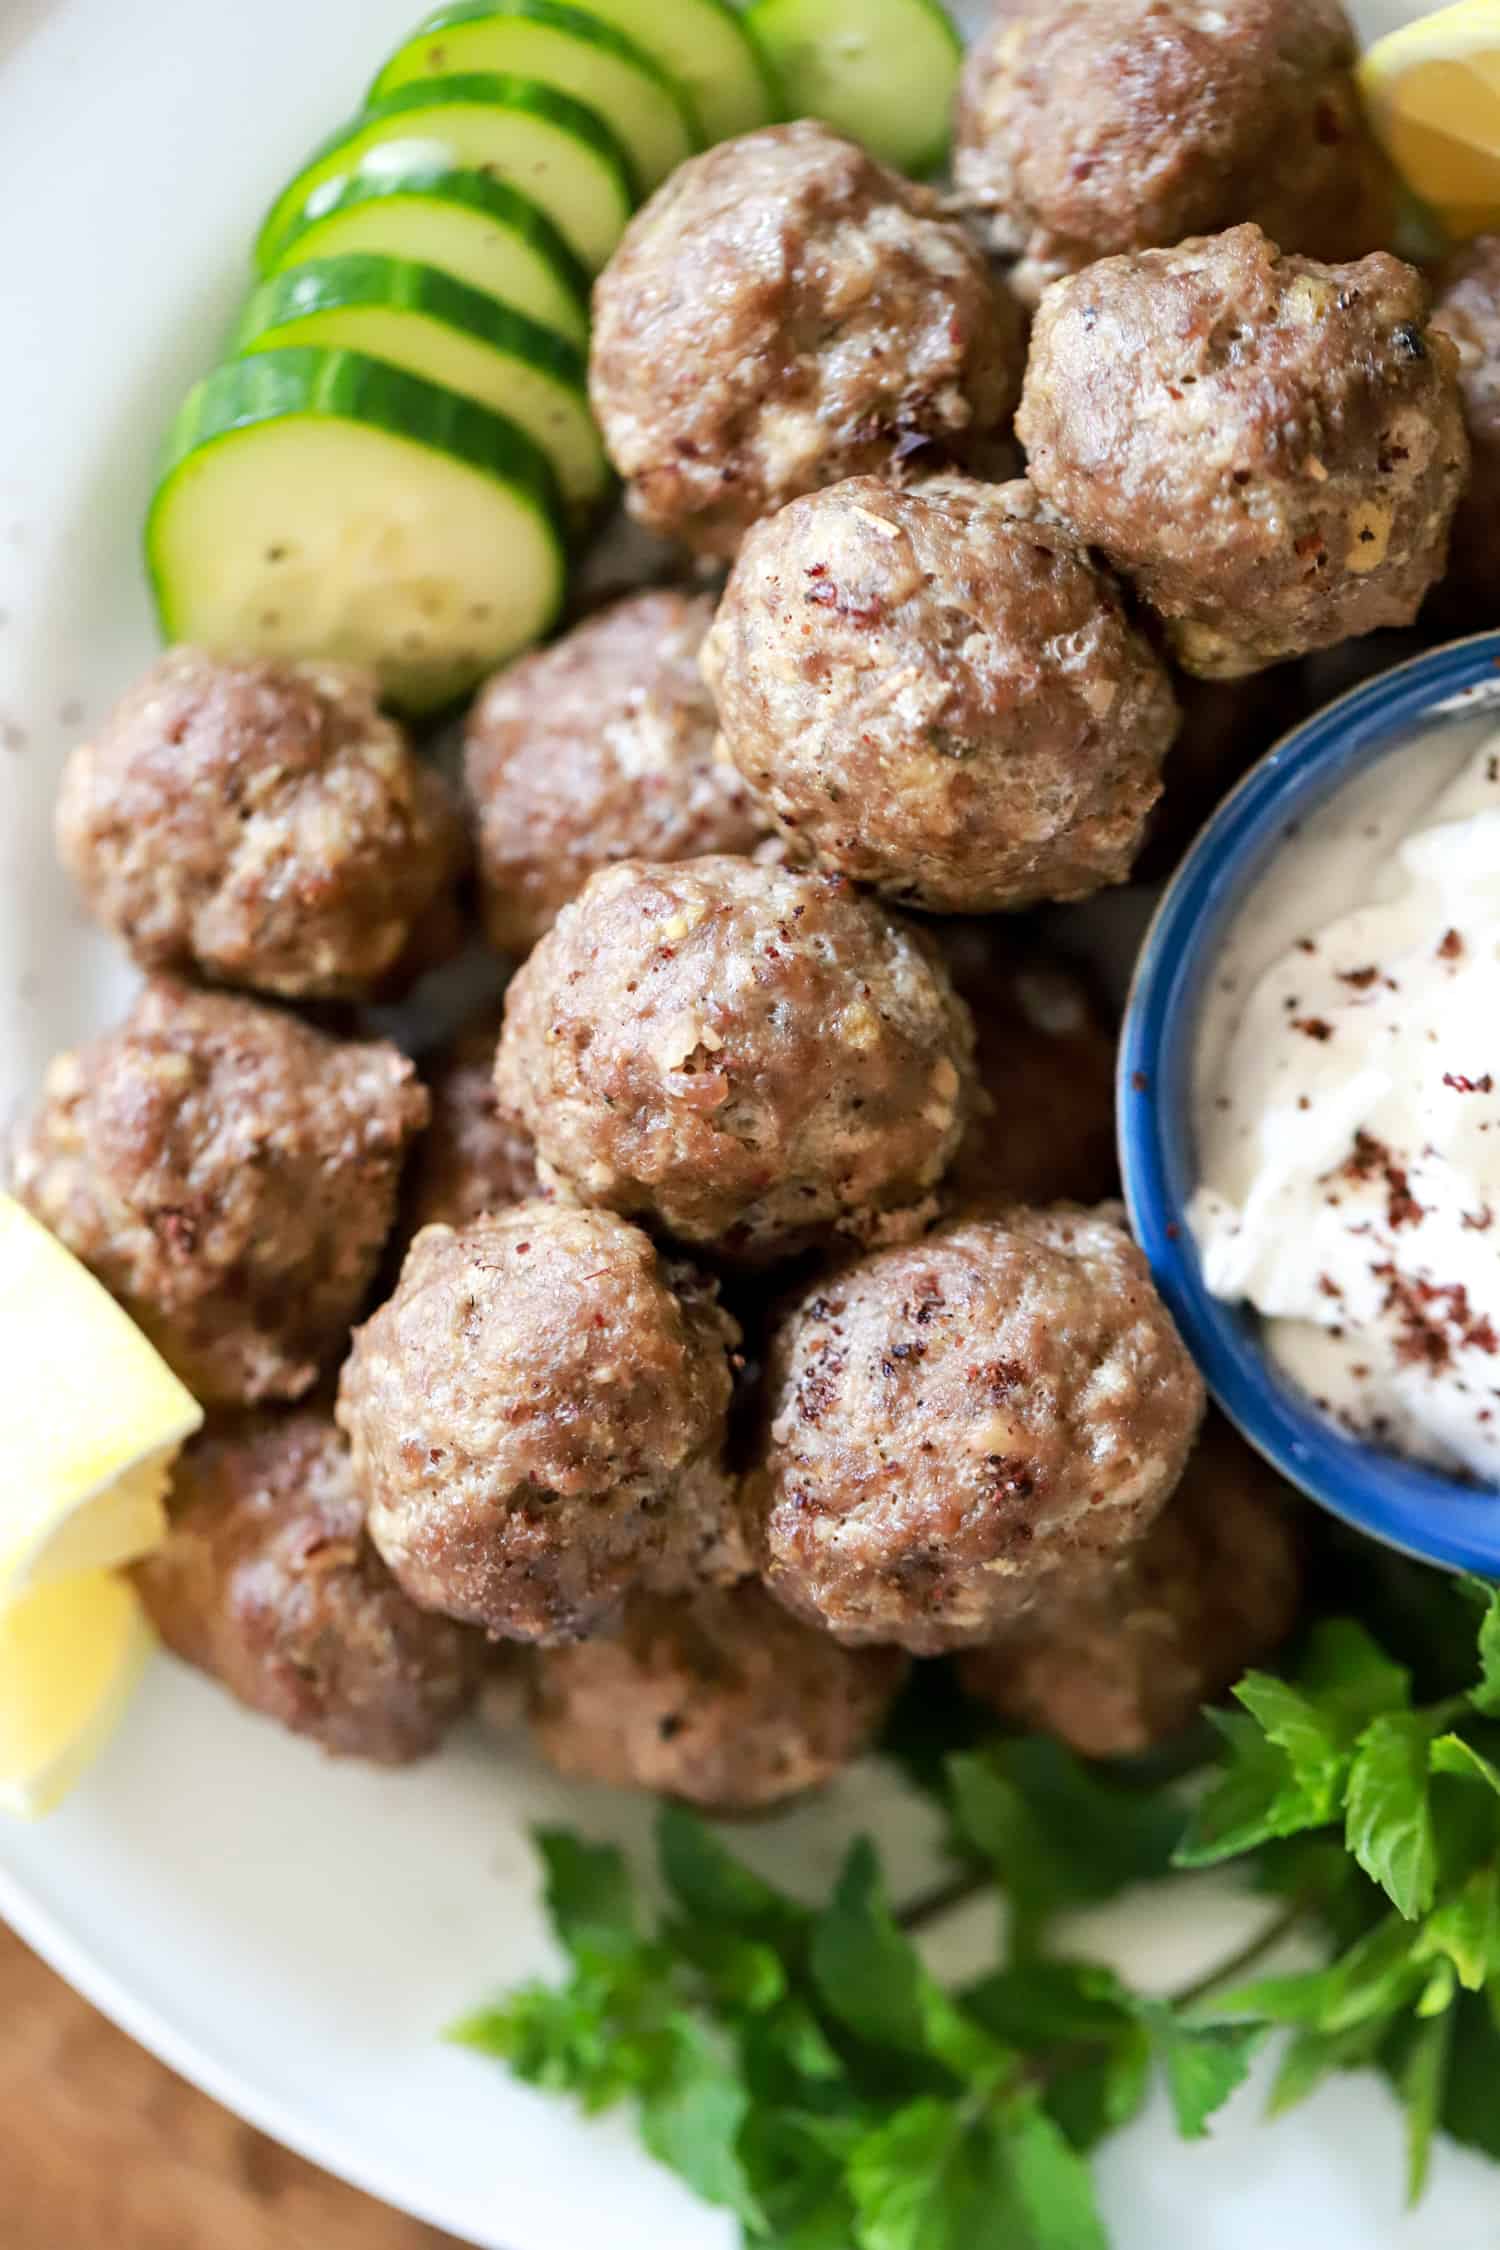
945, 1898
1270, 1935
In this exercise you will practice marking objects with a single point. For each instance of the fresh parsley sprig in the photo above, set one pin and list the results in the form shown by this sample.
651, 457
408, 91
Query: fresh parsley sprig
799, 2065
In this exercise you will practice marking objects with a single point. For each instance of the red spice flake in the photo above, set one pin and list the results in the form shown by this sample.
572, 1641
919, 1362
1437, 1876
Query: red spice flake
1479, 1222
1306, 945
1463, 1085
1361, 979
1140, 1081
1451, 946
1313, 1027
1328, 1287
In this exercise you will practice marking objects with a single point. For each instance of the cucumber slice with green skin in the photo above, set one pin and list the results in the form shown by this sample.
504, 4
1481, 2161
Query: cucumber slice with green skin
319, 504
552, 148
564, 47
882, 71
415, 317
466, 224
701, 44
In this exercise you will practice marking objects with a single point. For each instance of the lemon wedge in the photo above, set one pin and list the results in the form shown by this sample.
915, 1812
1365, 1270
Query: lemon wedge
1432, 92
93, 1418
70, 1655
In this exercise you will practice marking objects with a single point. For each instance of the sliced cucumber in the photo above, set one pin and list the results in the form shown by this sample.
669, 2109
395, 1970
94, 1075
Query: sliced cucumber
480, 230
319, 504
556, 150
701, 44
417, 318
882, 71
568, 48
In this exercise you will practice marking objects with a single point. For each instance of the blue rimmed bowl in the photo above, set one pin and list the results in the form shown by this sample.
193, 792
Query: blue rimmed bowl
1417, 1509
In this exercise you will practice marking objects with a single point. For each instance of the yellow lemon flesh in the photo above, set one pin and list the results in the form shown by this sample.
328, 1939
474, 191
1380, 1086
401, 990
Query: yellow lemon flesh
93, 1418
70, 1654
1432, 91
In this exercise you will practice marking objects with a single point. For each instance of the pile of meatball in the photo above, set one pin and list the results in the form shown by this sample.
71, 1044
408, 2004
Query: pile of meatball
741, 1311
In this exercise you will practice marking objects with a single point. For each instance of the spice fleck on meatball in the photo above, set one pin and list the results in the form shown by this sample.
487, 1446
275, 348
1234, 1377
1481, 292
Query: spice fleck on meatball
785, 312
1043, 1130
755, 1057
726, 1701
1118, 1666
471, 1159
261, 825
952, 1420
537, 1419
230, 1175
268, 1582
597, 749
937, 692
1467, 308
1101, 126
1270, 449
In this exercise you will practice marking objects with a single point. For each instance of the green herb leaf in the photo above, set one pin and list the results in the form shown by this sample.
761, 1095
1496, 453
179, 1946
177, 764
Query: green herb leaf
589, 1893
1054, 1832
1350, 1678
1256, 1799
1203, 2064
1470, 2111
1296, 1725
872, 1980
1375, 1978
692, 2115
1466, 1928
1052, 2187
1451, 1755
1388, 1820
929, 2180
1086, 2025
1486, 1696
1311, 2056
1420, 2076
711, 1884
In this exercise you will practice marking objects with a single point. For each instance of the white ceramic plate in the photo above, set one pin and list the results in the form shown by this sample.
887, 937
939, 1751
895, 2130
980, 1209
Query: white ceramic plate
291, 1934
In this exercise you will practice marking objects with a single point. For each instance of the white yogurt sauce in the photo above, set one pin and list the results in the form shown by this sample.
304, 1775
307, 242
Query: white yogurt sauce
1348, 1105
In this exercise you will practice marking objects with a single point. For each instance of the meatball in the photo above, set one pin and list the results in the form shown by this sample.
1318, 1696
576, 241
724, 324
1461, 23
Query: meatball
1116, 1668
471, 1159
938, 693
950, 1422
268, 1582
1467, 308
1044, 1124
1100, 126
230, 1175
754, 1056
725, 1701
785, 312
597, 749
260, 825
537, 1419
1270, 449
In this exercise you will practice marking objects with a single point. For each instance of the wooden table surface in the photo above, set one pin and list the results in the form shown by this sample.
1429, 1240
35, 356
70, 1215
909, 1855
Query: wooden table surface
103, 2149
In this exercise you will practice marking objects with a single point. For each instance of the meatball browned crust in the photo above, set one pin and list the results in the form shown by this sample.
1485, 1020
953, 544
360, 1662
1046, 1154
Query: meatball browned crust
1043, 1130
1211, 1589
936, 692
597, 749
1270, 449
259, 824
537, 1419
952, 1420
725, 1701
230, 1175
471, 1159
1467, 307
267, 1581
1100, 126
754, 1056
785, 312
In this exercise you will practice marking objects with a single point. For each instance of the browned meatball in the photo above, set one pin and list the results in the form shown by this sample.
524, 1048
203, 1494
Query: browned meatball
1467, 308
754, 1056
268, 1582
937, 692
785, 312
951, 1420
1212, 1589
1044, 1127
537, 1420
597, 749
725, 1701
1099, 126
1270, 449
259, 824
471, 1159
230, 1175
